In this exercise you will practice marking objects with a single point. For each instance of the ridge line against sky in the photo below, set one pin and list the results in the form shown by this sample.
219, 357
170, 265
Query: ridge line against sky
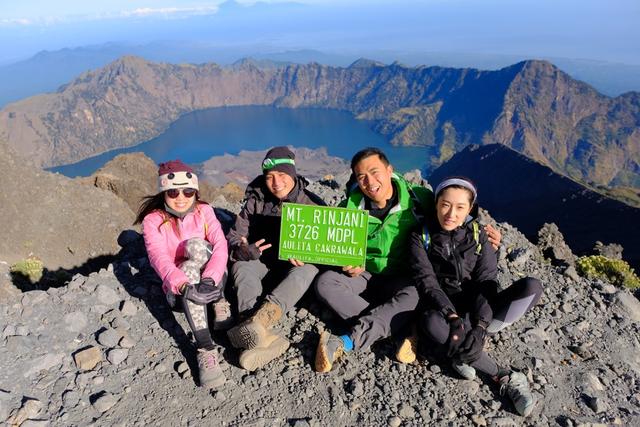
591, 29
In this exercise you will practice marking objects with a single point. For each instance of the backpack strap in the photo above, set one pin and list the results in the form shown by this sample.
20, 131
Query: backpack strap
476, 237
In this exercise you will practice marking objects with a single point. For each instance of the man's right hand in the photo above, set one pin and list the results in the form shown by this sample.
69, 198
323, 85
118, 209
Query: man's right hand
352, 271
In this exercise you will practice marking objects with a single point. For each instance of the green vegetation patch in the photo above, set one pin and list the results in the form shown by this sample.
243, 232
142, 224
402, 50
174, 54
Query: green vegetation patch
30, 268
616, 271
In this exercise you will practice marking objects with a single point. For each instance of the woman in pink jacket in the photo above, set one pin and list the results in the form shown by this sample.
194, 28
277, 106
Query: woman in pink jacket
188, 251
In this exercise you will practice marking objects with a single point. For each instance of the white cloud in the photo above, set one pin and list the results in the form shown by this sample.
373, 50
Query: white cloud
167, 11
16, 21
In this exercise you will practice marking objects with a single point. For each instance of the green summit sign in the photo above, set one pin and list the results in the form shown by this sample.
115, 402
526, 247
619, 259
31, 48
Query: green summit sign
323, 235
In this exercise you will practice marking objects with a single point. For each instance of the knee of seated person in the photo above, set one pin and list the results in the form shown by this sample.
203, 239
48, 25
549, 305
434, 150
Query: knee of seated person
239, 266
308, 270
323, 284
429, 320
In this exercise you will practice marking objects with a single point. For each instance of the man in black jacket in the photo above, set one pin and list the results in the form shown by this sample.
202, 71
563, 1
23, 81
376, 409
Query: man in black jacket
254, 241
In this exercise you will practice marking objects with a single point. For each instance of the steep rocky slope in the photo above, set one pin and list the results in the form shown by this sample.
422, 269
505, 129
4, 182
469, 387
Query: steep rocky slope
579, 347
60, 221
531, 106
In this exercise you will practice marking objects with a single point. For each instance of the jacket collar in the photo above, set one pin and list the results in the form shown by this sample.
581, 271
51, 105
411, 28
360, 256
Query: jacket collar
356, 199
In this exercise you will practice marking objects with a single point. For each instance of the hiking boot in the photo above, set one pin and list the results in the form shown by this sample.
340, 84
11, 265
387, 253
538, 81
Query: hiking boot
257, 357
330, 348
408, 349
222, 315
465, 371
209, 370
253, 332
516, 386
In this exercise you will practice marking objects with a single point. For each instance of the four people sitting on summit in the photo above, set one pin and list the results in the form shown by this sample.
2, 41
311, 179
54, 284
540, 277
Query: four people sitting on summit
429, 274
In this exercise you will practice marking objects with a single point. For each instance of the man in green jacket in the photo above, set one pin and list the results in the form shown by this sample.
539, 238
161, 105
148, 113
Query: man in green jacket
379, 297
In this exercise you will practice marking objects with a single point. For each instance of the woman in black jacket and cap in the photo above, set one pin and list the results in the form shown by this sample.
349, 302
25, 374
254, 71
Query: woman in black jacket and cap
455, 269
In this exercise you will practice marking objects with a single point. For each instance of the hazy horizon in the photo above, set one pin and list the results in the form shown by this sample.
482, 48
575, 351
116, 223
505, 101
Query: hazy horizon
592, 30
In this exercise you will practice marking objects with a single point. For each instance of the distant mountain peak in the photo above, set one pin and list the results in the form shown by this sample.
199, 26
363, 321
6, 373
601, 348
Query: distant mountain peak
365, 63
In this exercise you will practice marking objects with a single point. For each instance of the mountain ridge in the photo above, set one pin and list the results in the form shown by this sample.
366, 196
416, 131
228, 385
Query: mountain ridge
531, 106
527, 194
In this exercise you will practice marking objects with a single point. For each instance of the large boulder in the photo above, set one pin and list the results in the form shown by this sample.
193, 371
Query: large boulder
132, 176
551, 243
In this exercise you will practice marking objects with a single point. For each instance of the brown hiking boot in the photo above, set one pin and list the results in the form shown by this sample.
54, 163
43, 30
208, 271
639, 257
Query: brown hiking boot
330, 348
407, 351
257, 357
209, 370
222, 315
253, 332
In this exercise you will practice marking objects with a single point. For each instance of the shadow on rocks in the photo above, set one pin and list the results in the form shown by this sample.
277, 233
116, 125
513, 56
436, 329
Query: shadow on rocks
138, 278
60, 277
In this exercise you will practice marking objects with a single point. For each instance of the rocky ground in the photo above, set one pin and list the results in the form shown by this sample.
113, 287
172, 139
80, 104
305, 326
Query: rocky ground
105, 349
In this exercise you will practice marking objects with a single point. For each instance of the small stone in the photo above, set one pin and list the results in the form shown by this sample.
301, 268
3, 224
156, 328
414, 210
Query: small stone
470, 387
629, 305
160, 368
106, 295
76, 321
98, 380
128, 308
103, 401
44, 363
597, 404
394, 421
182, 367
571, 273
22, 331
608, 289
87, 359
539, 333
356, 388
407, 412
302, 313
9, 331
120, 323
109, 338
220, 396
117, 355
30, 409
70, 398
127, 342
566, 308
504, 422
479, 420
435, 369
35, 423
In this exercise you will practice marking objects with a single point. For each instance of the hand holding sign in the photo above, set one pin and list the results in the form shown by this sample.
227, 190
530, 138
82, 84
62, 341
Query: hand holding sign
352, 271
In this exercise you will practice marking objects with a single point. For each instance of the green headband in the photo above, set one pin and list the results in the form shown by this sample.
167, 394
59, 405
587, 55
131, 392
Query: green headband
271, 163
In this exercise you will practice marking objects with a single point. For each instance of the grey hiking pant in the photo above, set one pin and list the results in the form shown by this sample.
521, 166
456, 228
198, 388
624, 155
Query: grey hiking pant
198, 252
293, 282
382, 305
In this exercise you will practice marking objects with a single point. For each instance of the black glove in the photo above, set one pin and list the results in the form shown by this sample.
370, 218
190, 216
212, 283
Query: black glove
246, 252
203, 292
456, 335
471, 349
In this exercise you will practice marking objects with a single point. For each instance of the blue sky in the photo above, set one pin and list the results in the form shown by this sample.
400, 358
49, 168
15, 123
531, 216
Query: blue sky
606, 30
